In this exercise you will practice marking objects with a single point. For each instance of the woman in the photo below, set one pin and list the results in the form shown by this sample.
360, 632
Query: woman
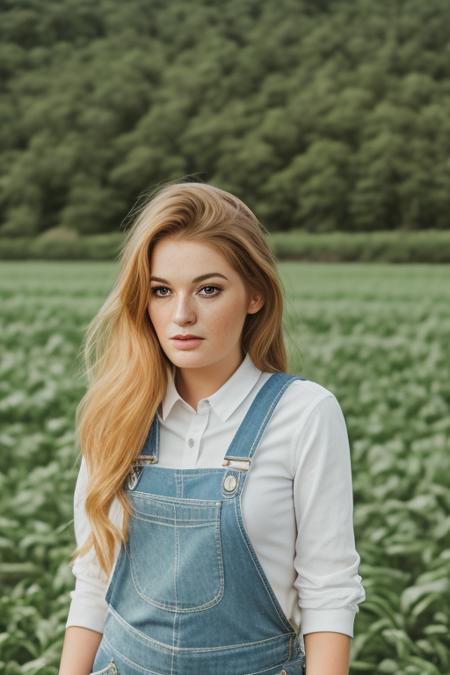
213, 508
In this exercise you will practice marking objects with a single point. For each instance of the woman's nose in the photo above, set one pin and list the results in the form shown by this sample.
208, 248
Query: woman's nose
184, 311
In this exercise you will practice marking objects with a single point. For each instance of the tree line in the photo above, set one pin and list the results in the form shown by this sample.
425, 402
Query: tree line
321, 115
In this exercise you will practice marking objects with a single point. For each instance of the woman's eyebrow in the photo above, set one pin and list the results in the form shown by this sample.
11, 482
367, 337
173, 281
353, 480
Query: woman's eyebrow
200, 278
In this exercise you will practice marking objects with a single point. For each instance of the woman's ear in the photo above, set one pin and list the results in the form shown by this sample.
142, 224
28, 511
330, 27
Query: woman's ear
256, 301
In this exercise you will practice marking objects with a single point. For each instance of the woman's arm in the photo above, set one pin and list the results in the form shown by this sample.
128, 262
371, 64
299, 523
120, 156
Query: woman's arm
327, 653
79, 650
326, 561
88, 608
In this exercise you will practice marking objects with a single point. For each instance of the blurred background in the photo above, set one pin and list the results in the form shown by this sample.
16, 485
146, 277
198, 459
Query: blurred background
331, 121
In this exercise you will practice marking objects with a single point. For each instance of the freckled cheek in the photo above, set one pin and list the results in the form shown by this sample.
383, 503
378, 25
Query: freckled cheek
224, 321
159, 317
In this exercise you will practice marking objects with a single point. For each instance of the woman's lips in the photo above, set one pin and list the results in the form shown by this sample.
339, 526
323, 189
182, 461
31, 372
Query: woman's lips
186, 343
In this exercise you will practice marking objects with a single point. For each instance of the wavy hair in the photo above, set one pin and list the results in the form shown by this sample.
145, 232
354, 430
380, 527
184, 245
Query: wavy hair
126, 368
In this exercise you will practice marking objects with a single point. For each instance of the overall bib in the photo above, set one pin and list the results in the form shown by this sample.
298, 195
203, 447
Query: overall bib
188, 595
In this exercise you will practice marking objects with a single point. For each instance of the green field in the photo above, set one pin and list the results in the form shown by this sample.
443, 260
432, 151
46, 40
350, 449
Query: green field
377, 335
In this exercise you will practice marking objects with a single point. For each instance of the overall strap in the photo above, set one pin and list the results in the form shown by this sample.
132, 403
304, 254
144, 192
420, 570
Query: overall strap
242, 447
150, 451
245, 441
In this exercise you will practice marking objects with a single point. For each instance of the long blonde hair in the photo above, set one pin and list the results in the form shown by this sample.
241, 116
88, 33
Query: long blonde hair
126, 368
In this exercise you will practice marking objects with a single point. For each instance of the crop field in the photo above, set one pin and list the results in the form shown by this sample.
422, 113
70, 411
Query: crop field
377, 335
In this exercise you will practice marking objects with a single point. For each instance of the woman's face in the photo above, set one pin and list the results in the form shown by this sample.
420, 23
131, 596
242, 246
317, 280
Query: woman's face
213, 308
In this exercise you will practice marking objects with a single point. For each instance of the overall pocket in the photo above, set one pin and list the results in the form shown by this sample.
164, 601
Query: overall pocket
175, 552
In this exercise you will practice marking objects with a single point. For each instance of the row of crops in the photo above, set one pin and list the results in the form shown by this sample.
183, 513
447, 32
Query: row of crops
377, 335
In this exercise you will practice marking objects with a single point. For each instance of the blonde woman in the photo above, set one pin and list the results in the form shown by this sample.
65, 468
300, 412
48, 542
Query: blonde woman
213, 506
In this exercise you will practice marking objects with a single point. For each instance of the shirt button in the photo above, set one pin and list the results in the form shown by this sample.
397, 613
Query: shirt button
191, 442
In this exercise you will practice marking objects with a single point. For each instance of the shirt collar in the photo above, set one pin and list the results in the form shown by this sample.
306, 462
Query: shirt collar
227, 398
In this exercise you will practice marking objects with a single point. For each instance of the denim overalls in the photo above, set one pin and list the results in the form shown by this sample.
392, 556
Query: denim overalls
188, 595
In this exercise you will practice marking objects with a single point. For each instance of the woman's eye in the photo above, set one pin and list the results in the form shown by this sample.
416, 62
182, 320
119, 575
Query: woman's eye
155, 290
214, 287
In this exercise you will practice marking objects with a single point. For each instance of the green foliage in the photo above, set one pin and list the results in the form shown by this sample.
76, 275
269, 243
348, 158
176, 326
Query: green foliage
322, 116
58, 244
383, 246
377, 335
63, 243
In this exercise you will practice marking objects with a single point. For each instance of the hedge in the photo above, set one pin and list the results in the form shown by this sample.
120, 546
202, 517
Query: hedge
402, 246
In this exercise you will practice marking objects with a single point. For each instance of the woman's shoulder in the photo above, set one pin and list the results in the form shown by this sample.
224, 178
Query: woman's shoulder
302, 394
307, 405
311, 387
307, 413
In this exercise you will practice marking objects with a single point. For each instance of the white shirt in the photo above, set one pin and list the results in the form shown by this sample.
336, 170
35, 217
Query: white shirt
297, 503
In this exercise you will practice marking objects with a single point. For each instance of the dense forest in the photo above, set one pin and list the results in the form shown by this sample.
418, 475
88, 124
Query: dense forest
320, 115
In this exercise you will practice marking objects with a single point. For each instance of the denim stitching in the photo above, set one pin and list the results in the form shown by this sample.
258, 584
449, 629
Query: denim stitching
269, 414
132, 663
167, 648
196, 608
113, 582
180, 476
192, 516
237, 509
178, 485
175, 572
183, 523
176, 500
154, 672
187, 472
103, 671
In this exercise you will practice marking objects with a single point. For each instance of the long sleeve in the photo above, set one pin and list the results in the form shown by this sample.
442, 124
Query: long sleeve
88, 606
326, 561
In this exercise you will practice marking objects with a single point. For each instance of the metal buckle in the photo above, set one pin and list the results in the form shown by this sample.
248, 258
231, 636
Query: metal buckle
136, 469
145, 459
241, 463
133, 478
